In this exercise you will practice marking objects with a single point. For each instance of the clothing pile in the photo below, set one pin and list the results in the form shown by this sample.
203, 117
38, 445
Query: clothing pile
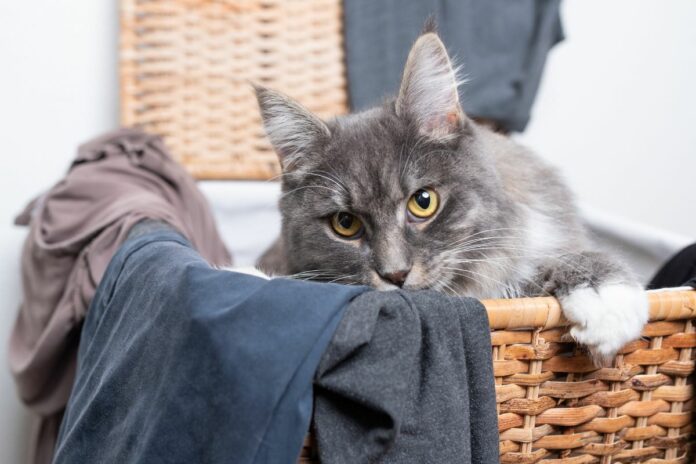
132, 344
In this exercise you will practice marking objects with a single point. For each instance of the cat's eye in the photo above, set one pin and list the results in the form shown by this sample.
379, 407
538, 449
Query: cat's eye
423, 203
347, 225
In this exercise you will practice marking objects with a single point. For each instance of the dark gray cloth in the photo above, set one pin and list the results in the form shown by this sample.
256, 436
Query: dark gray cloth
183, 363
679, 270
408, 378
501, 44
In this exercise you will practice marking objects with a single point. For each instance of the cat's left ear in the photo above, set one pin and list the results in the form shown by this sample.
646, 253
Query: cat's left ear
293, 130
428, 93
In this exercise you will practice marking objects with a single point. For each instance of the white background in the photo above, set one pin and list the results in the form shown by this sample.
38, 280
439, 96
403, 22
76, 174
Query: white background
616, 112
617, 108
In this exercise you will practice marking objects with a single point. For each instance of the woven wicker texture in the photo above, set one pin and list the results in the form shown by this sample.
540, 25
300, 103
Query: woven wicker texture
186, 68
555, 406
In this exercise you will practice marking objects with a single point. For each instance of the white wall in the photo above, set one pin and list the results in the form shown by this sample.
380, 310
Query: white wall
617, 108
615, 112
58, 86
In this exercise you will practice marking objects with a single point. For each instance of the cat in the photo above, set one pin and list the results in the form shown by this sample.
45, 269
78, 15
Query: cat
414, 194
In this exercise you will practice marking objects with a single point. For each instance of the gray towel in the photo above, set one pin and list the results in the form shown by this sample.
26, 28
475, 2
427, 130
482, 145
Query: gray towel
501, 44
408, 377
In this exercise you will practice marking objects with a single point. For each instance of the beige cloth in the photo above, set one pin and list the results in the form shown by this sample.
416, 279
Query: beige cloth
75, 228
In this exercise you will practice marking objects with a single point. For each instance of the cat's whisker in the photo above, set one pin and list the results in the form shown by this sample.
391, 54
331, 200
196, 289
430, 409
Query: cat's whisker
331, 178
502, 239
497, 230
508, 289
508, 266
487, 246
466, 239
438, 284
279, 176
309, 274
503, 263
325, 275
472, 238
449, 288
470, 277
334, 191
504, 247
347, 277
479, 240
527, 253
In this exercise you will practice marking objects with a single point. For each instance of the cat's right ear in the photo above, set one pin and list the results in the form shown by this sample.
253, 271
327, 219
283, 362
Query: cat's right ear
293, 130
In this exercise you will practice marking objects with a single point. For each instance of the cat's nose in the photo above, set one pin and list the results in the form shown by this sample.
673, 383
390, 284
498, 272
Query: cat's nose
397, 278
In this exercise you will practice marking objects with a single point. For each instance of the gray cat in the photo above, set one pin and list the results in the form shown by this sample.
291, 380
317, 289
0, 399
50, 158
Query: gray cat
413, 194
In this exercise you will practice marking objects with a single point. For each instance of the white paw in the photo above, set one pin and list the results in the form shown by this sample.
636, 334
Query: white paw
607, 318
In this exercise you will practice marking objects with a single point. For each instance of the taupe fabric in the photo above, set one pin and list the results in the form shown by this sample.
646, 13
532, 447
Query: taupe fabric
75, 228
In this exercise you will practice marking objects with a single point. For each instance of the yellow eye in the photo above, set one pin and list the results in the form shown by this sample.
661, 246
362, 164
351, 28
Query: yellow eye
347, 225
423, 203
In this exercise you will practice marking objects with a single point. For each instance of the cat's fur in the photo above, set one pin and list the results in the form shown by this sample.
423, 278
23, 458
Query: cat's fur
506, 225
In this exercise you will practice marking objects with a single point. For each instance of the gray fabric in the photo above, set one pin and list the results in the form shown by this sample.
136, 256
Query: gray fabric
501, 44
180, 362
408, 377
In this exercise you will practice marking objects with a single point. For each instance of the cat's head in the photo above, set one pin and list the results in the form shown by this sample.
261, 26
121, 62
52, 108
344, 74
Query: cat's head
385, 197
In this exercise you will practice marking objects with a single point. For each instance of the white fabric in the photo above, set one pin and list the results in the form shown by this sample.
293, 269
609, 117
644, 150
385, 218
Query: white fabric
247, 215
643, 247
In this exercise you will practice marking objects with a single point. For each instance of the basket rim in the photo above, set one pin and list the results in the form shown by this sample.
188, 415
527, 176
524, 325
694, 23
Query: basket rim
667, 304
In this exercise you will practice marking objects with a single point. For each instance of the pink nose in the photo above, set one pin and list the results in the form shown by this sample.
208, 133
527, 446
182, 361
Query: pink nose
397, 278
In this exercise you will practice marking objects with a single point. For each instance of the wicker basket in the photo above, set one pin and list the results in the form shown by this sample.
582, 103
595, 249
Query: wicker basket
185, 67
555, 406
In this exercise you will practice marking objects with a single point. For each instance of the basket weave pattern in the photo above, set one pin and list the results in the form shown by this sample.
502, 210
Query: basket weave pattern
186, 68
555, 406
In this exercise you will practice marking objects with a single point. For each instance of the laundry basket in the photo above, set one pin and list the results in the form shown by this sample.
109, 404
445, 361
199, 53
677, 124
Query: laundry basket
185, 72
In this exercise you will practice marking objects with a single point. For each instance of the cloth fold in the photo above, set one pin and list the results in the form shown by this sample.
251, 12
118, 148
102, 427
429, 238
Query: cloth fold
181, 362
76, 227
407, 378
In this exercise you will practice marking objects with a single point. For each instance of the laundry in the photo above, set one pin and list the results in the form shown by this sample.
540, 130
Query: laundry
115, 181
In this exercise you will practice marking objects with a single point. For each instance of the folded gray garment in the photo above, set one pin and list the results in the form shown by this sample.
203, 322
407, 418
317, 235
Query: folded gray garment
501, 45
408, 377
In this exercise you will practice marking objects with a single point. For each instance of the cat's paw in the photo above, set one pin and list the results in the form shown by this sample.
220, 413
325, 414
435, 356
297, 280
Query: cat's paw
606, 318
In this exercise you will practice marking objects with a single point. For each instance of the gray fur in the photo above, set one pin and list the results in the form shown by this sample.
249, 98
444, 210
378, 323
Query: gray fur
507, 224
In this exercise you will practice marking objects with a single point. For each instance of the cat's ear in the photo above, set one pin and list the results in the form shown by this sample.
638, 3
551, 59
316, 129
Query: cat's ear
428, 93
293, 130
